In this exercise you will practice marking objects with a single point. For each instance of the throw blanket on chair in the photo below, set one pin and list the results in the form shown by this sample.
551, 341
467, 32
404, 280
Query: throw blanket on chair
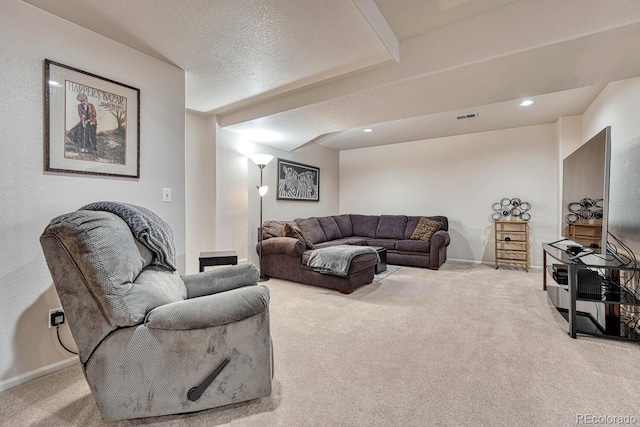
337, 259
147, 227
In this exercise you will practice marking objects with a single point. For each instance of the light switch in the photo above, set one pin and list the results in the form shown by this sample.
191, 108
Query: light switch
166, 195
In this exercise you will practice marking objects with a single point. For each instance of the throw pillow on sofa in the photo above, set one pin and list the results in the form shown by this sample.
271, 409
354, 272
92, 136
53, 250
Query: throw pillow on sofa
425, 229
295, 232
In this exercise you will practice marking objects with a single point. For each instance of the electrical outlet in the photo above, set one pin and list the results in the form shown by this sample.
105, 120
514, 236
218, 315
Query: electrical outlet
56, 317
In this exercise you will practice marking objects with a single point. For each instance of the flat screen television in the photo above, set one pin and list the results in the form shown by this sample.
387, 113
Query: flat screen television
585, 192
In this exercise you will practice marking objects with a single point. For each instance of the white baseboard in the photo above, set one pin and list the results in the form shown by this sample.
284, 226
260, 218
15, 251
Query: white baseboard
470, 261
491, 263
37, 373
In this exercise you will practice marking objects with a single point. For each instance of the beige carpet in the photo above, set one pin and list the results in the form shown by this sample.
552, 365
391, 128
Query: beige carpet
464, 346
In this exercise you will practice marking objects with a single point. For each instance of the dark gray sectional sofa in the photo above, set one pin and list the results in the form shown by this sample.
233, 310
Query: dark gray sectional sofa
286, 257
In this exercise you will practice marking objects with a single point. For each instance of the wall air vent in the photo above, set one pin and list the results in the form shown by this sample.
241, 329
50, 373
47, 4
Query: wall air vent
467, 116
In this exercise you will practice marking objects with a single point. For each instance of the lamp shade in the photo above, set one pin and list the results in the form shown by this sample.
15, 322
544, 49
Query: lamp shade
261, 159
263, 190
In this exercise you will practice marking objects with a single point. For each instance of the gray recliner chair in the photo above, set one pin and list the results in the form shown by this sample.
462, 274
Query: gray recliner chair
152, 342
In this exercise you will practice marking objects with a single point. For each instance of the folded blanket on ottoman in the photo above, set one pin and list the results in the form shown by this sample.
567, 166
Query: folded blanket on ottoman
337, 259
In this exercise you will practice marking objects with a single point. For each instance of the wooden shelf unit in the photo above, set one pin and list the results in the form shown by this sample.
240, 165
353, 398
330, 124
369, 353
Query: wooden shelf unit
586, 234
512, 243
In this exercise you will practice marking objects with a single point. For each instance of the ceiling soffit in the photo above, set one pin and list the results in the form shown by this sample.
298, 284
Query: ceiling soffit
576, 63
429, 15
533, 25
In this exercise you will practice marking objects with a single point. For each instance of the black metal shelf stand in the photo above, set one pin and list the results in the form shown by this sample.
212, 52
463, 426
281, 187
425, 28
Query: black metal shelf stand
611, 292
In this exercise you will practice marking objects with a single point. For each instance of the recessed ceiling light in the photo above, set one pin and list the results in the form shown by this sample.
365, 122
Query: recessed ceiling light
368, 130
526, 103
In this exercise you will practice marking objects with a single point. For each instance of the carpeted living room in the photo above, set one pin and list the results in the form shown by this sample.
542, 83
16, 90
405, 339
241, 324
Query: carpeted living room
466, 345
288, 213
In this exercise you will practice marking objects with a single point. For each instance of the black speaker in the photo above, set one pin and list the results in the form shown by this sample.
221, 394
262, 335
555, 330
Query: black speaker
589, 285
560, 274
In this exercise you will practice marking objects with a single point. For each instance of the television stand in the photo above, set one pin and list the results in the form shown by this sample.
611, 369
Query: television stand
598, 299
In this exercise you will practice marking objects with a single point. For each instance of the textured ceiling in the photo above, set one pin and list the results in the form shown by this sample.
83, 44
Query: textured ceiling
235, 49
411, 18
285, 73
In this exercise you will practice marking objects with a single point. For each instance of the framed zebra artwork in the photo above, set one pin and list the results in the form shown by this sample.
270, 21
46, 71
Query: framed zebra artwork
298, 182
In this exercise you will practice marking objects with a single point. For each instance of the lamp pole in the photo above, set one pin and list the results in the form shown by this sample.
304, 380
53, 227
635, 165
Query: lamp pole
261, 160
262, 192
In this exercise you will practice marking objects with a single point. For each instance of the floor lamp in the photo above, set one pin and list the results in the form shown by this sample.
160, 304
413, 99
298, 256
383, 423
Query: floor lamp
261, 160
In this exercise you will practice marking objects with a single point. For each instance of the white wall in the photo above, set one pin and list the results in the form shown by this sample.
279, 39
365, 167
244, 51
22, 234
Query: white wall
570, 134
30, 197
200, 187
459, 177
569, 140
237, 199
231, 168
618, 106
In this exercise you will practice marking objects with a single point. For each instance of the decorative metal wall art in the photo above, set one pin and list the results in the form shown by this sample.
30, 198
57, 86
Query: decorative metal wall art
510, 209
585, 209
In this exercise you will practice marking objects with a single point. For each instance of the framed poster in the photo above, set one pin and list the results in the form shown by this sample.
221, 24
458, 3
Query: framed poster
298, 182
92, 124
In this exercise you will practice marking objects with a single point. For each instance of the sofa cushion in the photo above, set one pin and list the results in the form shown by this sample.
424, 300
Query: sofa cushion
383, 243
425, 229
353, 240
364, 225
344, 224
413, 246
311, 229
391, 227
330, 227
294, 231
412, 221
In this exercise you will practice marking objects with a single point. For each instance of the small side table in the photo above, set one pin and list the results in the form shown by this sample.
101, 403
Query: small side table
208, 259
